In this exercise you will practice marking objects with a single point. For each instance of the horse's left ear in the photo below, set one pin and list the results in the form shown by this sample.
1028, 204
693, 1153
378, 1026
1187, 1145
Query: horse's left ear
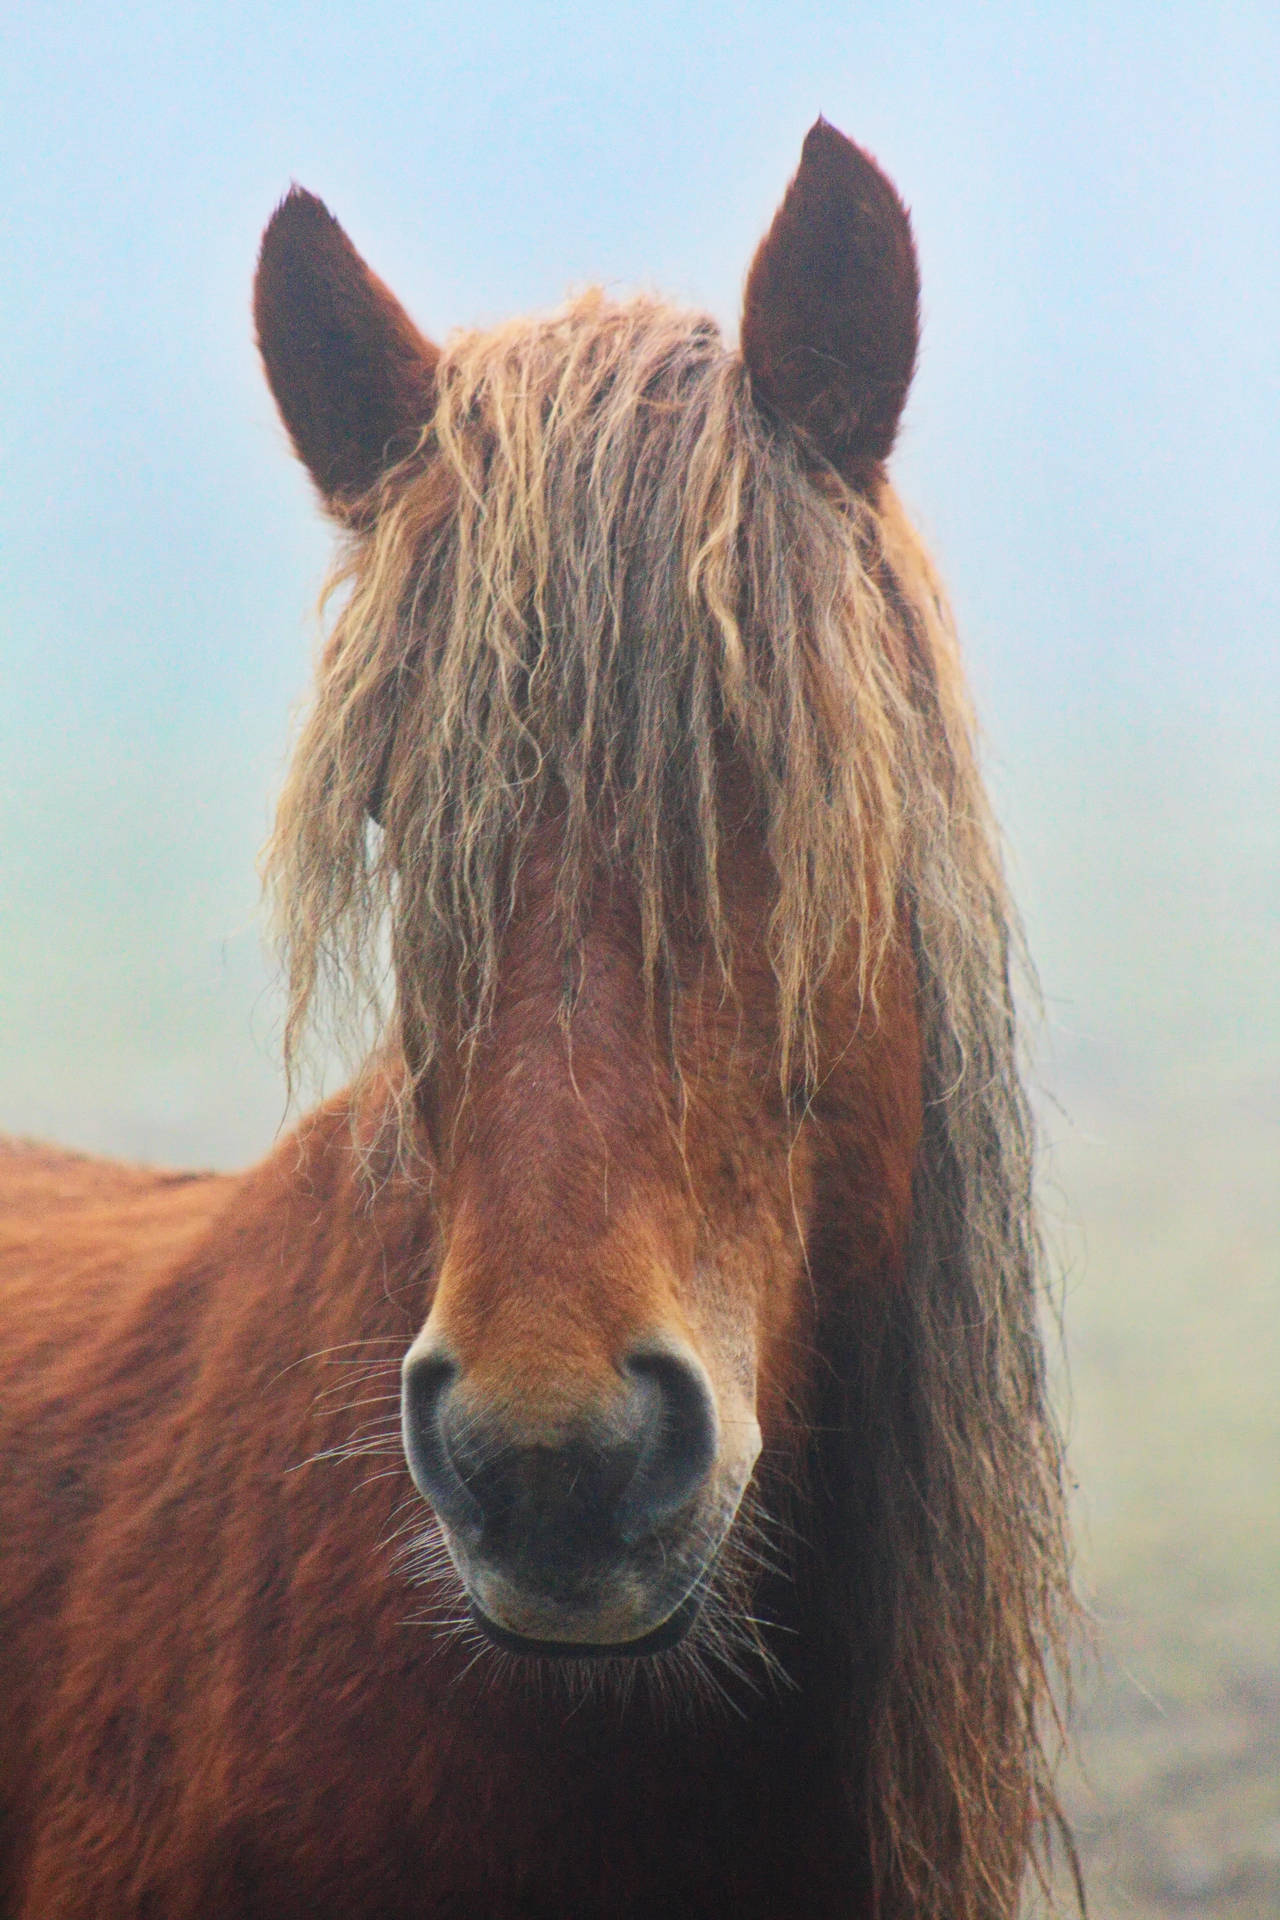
353, 378
831, 319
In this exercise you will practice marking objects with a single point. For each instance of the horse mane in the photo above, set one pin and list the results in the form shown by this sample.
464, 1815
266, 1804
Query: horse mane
603, 564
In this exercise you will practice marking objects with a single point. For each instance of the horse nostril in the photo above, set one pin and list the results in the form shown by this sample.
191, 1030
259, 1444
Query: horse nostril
425, 1385
680, 1439
556, 1507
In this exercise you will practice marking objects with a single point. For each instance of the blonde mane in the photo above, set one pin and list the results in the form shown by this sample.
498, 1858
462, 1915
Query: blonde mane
601, 564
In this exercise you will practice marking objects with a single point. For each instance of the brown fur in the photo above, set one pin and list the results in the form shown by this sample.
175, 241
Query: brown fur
357, 371
701, 1023
831, 319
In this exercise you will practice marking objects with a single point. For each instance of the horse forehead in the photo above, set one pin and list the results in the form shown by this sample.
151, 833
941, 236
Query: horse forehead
581, 970
582, 1058
589, 1003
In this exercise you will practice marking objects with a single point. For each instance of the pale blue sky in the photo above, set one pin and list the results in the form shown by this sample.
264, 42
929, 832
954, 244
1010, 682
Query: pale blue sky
1093, 446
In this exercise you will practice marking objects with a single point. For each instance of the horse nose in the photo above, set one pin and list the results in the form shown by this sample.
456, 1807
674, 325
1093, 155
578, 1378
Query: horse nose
571, 1499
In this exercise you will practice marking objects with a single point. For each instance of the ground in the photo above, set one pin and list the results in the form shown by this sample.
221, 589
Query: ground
1165, 1211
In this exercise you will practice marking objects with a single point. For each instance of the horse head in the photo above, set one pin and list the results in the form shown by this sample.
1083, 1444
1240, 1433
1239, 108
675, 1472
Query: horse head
617, 679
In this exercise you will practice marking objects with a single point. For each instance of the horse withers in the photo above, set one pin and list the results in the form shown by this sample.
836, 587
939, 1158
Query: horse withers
599, 1464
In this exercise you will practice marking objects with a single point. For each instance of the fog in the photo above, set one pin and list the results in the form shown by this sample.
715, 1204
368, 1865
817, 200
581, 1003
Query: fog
1092, 448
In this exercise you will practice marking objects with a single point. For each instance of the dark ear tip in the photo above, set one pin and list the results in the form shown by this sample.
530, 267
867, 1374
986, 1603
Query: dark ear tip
833, 153
298, 216
822, 134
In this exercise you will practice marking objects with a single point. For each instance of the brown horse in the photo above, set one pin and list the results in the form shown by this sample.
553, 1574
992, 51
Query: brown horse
599, 1465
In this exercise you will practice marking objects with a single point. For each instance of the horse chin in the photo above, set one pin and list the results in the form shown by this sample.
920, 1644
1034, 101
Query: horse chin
660, 1639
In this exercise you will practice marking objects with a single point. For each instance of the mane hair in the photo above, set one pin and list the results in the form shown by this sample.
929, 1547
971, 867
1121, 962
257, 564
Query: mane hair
962, 1488
602, 567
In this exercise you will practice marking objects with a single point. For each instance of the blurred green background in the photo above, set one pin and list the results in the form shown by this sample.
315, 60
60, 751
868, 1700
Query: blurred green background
1092, 449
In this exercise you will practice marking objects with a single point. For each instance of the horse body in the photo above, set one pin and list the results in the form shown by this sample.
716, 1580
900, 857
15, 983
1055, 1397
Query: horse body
599, 1464
214, 1703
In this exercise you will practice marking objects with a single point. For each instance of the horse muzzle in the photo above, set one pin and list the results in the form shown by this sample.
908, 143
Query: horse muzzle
583, 1534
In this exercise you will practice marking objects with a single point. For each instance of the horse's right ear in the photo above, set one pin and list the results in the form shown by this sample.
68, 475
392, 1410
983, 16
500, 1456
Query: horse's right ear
831, 318
353, 378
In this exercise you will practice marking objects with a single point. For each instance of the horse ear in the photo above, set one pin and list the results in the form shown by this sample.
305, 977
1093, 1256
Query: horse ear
831, 319
353, 378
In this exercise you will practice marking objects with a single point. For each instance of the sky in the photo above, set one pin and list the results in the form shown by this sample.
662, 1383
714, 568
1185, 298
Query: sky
1091, 447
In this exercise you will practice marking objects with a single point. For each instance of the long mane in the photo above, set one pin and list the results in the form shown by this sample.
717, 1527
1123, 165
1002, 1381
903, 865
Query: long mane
601, 564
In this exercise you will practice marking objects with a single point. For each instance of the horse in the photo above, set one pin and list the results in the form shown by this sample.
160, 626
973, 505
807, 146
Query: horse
600, 1463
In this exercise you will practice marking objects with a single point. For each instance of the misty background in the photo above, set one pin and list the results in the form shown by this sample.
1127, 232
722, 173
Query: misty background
1092, 450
